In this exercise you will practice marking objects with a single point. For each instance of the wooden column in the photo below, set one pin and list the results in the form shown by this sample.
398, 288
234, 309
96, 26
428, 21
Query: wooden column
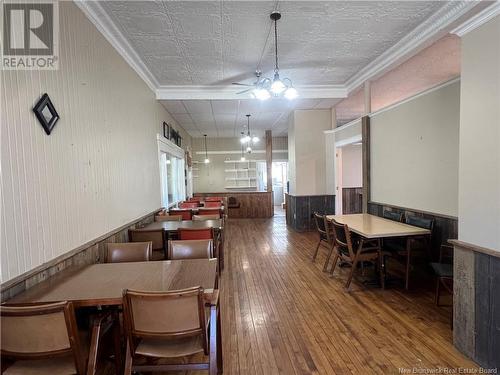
269, 160
365, 135
368, 97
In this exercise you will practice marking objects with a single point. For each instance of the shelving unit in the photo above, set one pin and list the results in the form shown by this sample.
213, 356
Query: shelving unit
241, 174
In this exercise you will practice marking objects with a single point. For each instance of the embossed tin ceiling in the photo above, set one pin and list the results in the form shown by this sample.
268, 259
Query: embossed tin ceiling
217, 42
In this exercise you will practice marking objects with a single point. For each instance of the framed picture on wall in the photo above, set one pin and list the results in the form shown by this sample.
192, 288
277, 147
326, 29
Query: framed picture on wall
166, 130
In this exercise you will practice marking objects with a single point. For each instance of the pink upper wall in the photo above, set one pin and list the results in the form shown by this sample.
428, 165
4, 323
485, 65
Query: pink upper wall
436, 64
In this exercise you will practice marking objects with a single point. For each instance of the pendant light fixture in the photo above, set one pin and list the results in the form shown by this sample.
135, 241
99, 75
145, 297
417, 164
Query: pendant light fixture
276, 87
248, 139
207, 160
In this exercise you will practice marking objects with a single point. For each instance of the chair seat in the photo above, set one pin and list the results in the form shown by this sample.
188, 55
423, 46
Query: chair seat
58, 365
443, 269
162, 348
172, 348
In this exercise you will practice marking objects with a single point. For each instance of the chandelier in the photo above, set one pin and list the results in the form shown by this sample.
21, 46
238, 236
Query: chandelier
276, 87
248, 139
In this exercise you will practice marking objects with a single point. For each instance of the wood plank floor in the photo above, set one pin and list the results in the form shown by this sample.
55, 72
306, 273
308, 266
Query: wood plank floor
282, 315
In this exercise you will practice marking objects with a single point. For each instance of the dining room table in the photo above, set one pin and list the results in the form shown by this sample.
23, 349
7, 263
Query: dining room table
102, 284
370, 227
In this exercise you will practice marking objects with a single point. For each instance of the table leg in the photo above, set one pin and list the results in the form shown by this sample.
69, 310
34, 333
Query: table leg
381, 266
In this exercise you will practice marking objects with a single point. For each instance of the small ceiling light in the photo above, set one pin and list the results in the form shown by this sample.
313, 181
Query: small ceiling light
261, 94
255, 139
277, 86
168, 161
207, 160
249, 149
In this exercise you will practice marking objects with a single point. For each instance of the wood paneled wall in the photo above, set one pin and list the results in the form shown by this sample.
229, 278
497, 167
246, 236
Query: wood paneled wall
251, 204
445, 227
97, 171
300, 210
89, 253
352, 200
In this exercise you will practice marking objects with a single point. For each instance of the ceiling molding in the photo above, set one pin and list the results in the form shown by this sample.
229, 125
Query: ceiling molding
478, 20
427, 32
98, 16
182, 92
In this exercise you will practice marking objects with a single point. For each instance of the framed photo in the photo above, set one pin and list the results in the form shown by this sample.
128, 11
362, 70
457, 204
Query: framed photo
46, 113
166, 130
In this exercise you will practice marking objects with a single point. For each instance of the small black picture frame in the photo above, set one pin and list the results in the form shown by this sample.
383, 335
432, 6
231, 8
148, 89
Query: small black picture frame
166, 130
46, 113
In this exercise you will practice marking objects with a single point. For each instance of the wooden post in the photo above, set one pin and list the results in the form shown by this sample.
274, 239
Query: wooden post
269, 160
365, 135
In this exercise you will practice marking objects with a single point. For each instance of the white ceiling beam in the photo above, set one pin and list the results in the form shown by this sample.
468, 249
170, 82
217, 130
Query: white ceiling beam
230, 92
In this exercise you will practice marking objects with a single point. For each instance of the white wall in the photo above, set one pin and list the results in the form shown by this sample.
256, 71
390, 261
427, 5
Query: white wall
352, 175
97, 170
309, 166
479, 176
211, 177
414, 152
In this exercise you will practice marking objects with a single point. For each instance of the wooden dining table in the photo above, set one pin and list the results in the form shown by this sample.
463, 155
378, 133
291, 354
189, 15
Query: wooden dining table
103, 283
173, 226
375, 227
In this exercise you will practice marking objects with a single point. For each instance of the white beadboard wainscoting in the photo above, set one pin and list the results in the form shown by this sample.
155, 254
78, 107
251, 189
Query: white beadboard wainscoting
97, 171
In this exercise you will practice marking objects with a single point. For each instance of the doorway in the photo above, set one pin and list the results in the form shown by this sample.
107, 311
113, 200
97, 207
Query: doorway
280, 177
349, 177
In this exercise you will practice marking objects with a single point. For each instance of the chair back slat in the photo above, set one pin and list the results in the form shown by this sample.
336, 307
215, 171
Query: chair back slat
40, 331
129, 252
196, 234
190, 249
156, 237
185, 205
209, 211
393, 215
420, 222
343, 238
209, 204
185, 213
174, 314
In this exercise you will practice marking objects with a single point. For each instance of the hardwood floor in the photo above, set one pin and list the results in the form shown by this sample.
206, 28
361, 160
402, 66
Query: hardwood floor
282, 315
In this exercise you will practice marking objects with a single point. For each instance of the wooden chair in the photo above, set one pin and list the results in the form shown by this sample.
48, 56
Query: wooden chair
186, 214
365, 251
129, 252
156, 236
185, 205
444, 271
210, 211
44, 339
195, 234
180, 333
191, 249
168, 218
324, 236
206, 217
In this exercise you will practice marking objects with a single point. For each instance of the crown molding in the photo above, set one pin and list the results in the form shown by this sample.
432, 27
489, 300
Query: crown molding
427, 32
479, 19
98, 16
182, 92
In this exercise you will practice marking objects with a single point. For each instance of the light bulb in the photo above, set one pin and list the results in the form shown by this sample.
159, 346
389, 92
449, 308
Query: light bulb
277, 87
168, 161
249, 149
243, 139
242, 158
207, 160
291, 93
255, 139
262, 94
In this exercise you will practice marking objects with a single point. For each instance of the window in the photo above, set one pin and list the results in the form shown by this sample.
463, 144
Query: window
172, 179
